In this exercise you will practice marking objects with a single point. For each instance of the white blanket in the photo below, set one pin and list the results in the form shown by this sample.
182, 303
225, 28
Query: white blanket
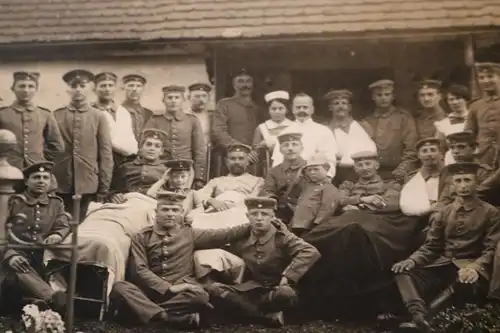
417, 195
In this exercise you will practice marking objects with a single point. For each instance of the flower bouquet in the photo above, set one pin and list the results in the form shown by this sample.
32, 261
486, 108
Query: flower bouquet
35, 321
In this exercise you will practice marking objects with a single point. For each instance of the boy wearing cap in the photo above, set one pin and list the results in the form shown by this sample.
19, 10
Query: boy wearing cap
319, 198
38, 136
393, 131
459, 246
275, 261
142, 173
199, 96
45, 221
184, 134
133, 85
429, 97
123, 138
86, 166
281, 179
163, 287
483, 119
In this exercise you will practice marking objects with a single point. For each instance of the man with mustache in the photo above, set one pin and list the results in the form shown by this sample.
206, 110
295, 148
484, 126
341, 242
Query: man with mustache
223, 193
199, 96
393, 130
484, 115
86, 166
236, 118
184, 139
47, 222
429, 96
458, 250
144, 171
119, 119
37, 134
133, 85
316, 138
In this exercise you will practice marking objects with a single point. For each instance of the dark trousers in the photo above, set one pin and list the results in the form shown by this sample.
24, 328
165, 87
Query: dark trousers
127, 299
255, 302
422, 284
84, 204
30, 284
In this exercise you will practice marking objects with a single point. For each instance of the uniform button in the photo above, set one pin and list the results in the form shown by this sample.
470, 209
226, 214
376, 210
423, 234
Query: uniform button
164, 265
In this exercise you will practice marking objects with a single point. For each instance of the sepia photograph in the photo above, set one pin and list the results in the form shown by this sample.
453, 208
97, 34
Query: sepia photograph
237, 166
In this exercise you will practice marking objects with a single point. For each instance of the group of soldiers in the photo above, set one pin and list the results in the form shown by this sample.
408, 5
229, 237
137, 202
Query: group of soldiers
104, 149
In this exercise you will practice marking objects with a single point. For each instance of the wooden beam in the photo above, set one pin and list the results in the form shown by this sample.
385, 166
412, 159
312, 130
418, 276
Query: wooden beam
469, 59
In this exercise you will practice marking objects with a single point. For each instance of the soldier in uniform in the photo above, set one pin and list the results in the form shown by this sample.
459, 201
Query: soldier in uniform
281, 179
393, 130
236, 118
143, 172
38, 137
275, 261
484, 114
47, 222
133, 85
120, 121
184, 133
86, 167
460, 245
429, 96
199, 96
163, 287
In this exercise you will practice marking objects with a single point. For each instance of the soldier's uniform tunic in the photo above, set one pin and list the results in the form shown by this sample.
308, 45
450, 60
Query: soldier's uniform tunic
140, 116
184, 139
463, 235
277, 254
425, 120
45, 216
86, 167
484, 121
160, 260
137, 176
395, 135
36, 131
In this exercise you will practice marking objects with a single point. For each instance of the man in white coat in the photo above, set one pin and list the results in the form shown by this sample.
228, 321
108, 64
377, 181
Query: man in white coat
316, 138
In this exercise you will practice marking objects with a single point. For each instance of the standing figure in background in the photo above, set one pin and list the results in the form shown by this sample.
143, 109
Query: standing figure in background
123, 138
393, 131
236, 117
184, 134
36, 131
316, 138
457, 98
429, 97
484, 116
86, 166
278, 103
133, 85
350, 135
199, 96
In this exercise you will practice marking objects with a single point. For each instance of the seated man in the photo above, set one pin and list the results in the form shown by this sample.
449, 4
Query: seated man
459, 246
419, 196
318, 200
275, 261
144, 171
279, 180
462, 146
45, 222
162, 286
361, 245
223, 196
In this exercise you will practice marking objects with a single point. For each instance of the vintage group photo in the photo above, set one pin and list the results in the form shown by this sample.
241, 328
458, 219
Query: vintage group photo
250, 166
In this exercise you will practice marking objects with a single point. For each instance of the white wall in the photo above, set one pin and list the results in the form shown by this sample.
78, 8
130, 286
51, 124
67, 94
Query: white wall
159, 71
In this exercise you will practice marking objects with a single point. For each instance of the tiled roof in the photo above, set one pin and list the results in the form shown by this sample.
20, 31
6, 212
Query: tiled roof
70, 20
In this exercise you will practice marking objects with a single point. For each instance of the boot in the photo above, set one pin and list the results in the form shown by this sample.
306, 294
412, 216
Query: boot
183, 321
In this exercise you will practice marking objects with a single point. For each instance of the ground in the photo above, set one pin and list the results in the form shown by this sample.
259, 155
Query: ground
467, 319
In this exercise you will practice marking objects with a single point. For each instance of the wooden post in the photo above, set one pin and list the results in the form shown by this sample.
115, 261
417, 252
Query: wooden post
469, 59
